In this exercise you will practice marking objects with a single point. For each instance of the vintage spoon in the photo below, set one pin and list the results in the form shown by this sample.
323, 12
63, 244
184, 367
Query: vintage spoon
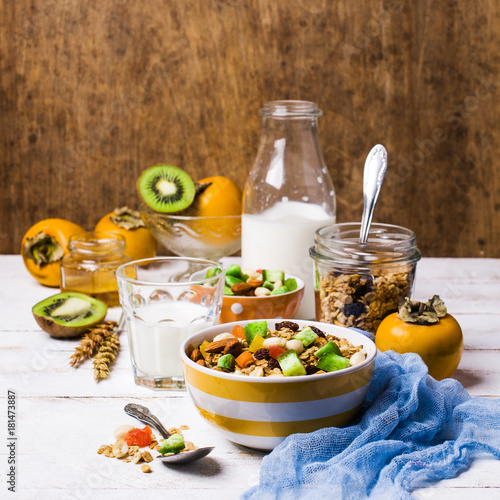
144, 415
373, 177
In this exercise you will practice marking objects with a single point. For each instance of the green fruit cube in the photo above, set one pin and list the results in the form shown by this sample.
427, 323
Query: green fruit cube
306, 336
226, 362
268, 285
234, 270
255, 328
213, 271
231, 280
273, 276
327, 348
290, 364
174, 444
331, 362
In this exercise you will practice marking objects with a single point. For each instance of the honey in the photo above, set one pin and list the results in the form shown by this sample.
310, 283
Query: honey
91, 265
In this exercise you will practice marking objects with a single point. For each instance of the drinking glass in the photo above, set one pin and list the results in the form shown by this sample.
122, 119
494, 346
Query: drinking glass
164, 301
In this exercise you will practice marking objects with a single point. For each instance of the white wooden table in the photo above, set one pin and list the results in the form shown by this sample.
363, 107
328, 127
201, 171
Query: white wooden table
63, 416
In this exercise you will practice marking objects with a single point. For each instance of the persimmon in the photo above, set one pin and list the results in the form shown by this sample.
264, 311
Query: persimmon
427, 330
43, 247
221, 197
140, 242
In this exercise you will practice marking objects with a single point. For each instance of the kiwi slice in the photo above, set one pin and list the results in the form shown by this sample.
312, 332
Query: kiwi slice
68, 314
166, 189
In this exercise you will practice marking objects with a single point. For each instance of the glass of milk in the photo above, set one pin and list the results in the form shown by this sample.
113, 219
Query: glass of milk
164, 301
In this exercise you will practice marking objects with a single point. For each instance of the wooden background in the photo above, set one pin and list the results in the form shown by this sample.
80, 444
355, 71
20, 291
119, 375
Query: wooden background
92, 92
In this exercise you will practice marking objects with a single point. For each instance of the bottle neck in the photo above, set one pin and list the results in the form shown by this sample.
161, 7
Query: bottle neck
289, 165
290, 109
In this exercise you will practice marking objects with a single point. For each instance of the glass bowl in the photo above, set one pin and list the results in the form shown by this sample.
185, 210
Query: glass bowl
204, 237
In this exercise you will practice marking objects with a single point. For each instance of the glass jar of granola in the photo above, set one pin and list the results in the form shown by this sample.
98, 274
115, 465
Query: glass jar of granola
359, 284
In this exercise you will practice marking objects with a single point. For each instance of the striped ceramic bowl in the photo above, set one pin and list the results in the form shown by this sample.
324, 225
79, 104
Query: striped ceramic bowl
261, 412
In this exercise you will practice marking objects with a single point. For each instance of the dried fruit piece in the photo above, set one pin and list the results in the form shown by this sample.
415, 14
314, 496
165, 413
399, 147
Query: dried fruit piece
146, 468
261, 354
275, 351
226, 363
196, 355
238, 331
174, 444
355, 309
318, 332
244, 359
139, 437
233, 347
287, 324
273, 363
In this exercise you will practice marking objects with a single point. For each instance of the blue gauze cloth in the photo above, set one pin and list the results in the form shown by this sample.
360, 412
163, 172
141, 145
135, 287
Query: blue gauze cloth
411, 430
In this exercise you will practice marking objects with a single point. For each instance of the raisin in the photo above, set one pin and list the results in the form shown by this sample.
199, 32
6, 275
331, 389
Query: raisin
355, 309
273, 363
318, 332
261, 354
363, 290
310, 369
287, 324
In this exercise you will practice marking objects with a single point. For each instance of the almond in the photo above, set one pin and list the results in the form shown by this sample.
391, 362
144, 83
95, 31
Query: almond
201, 362
241, 288
255, 283
215, 347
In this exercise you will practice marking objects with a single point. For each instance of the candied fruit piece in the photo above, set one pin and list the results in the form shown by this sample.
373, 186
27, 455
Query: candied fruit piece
139, 437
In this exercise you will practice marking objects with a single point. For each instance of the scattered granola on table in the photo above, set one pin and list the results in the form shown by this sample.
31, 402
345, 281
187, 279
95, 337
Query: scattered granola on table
289, 350
130, 440
362, 301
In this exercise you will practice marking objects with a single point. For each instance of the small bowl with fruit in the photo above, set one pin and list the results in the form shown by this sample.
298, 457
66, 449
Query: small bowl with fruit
259, 294
191, 219
257, 382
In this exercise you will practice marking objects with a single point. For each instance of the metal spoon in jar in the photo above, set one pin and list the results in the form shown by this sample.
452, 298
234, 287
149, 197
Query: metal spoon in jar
145, 416
373, 177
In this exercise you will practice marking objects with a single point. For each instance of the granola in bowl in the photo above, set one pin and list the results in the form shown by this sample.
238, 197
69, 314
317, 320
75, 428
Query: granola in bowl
286, 350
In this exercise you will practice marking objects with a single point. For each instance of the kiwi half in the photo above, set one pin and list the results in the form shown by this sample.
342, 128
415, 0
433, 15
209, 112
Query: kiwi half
68, 314
166, 189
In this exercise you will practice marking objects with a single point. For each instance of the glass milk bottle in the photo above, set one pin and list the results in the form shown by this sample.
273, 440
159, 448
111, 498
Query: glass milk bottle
288, 195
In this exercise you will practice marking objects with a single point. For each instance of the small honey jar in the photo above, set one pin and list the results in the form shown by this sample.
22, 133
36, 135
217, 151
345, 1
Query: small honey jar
91, 265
